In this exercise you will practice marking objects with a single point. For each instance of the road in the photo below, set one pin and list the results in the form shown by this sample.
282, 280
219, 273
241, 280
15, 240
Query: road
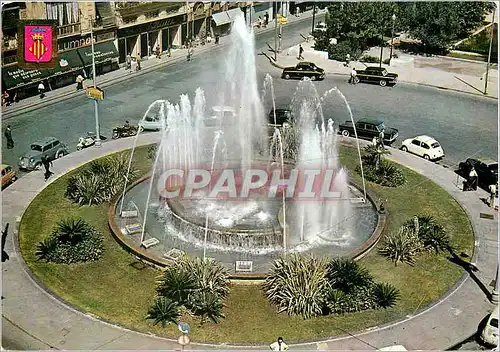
464, 124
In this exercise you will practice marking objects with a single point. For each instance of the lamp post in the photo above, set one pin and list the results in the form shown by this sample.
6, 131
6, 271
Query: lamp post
96, 104
381, 48
314, 17
489, 53
392, 37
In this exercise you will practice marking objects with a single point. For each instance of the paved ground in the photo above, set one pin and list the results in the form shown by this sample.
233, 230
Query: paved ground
41, 320
447, 73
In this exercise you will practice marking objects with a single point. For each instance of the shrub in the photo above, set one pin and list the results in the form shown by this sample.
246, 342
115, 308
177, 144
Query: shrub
100, 181
401, 246
152, 150
430, 233
369, 59
339, 302
346, 275
164, 311
297, 285
385, 295
71, 241
387, 174
197, 286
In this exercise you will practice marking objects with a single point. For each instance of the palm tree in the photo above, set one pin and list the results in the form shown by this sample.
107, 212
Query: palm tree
385, 294
176, 284
346, 275
164, 311
72, 230
374, 155
297, 285
207, 305
401, 246
431, 234
209, 275
46, 248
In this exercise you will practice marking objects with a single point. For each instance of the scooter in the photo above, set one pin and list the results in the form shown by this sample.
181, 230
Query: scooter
88, 141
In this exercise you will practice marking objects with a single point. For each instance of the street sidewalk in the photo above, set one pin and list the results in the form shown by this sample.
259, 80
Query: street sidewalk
441, 72
38, 319
122, 74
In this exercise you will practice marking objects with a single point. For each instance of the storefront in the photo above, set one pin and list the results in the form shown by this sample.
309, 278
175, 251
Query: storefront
105, 57
221, 21
200, 23
141, 40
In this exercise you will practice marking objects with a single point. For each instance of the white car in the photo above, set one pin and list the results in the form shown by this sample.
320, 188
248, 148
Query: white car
150, 123
490, 331
424, 146
221, 114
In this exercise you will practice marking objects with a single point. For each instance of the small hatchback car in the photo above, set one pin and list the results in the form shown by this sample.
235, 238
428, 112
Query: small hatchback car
424, 146
8, 175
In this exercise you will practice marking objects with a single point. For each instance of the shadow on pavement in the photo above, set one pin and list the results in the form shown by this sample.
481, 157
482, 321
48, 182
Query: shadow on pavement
471, 269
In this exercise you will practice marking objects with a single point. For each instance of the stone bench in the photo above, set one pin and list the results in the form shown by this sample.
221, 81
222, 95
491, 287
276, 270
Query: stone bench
133, 228
129, 214
150, 242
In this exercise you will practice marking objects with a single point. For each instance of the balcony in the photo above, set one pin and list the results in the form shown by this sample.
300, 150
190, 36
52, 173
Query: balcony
68, 29
129, 9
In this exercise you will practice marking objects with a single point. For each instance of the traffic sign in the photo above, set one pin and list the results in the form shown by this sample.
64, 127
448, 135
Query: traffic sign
184, 340
184, 328
95, 93
282, 19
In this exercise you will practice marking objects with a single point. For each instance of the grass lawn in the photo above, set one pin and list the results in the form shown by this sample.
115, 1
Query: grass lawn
114, 289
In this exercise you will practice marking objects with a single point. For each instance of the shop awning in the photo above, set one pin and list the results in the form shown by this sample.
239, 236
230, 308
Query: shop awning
14, 76
233, 13
68, 61
104, 51
221, 18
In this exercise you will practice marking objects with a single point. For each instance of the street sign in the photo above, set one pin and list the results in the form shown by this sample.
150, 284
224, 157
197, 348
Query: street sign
184, 340
95, 93
184, 328
282, 19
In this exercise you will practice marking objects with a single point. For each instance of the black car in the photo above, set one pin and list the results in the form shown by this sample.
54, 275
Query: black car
369, 128
304, 69
378, 75
486, 169
282, 116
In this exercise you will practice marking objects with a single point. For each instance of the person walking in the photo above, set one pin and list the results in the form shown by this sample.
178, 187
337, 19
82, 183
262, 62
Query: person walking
279, 345
158, 51
266, 19
79, 82
473, 179
301, 51
493, 194
8, 137
41, 90
133, 65
352, 78
47, 164
347, 60
381, 136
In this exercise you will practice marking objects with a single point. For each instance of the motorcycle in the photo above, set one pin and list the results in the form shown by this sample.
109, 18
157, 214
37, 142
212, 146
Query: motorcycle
87, 141
124, 131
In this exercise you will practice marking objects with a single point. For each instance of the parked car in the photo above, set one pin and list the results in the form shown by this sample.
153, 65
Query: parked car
321, 27
489, 335
49, 146
369, 128
219, 115
150, 123
487, 170
380, 75
8, 175
304, 69
282, 116
424, 146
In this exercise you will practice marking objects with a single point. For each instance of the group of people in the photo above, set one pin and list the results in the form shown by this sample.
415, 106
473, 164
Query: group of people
7, 99
263, 23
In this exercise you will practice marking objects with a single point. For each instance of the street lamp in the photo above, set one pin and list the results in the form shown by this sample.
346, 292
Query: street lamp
392, 37
96, 106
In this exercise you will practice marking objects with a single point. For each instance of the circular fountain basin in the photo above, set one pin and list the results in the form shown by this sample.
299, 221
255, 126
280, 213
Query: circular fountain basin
247, 247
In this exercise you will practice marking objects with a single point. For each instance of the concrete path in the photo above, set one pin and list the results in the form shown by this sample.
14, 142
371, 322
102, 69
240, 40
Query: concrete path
39, 320
441, 72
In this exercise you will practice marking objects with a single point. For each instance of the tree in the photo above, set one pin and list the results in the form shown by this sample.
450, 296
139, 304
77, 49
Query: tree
438, 24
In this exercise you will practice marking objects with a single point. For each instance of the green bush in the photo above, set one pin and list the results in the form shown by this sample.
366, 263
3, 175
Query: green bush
430, 233
152, 150
71, 241
339, 302
369, 59
297, 285
100, 181
385, 295
347, 275
401, 246
387, 174
198, 286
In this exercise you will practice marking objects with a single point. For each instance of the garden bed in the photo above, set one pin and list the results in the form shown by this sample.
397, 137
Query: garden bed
120, 289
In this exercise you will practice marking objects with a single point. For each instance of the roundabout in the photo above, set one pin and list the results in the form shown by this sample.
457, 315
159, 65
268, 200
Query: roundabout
114, 292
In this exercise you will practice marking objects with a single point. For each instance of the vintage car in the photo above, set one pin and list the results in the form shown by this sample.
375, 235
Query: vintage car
8, 175
304, 69
49, 146
424, 146
282, 117
221, 115
369, 128
150, 123
486, 169
373, 74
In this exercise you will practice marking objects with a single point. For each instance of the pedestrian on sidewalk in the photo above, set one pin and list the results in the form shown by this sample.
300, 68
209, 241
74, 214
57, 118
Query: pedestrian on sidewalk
133, 65
41, 90
301, 51
259, 22
217, 38
381, 139
493, 194
347, 60
352, 78
297, 11
266, 19
158, 51
79, 82
47, 164
8, 137
279, 345
128, 62
473, 179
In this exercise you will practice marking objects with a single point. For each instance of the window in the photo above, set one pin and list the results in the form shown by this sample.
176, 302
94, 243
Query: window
65, 13
56, 143
36, 147
425, 146
435, 145
415, 142
494, 323
381, 127
47, 147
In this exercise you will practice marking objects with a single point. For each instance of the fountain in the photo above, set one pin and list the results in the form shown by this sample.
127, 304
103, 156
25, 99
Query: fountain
182, 211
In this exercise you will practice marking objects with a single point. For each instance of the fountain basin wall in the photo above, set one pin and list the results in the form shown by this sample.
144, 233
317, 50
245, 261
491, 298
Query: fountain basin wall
155, 256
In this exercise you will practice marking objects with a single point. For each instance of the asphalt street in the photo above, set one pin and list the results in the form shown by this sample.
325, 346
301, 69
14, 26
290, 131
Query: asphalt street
464, 124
